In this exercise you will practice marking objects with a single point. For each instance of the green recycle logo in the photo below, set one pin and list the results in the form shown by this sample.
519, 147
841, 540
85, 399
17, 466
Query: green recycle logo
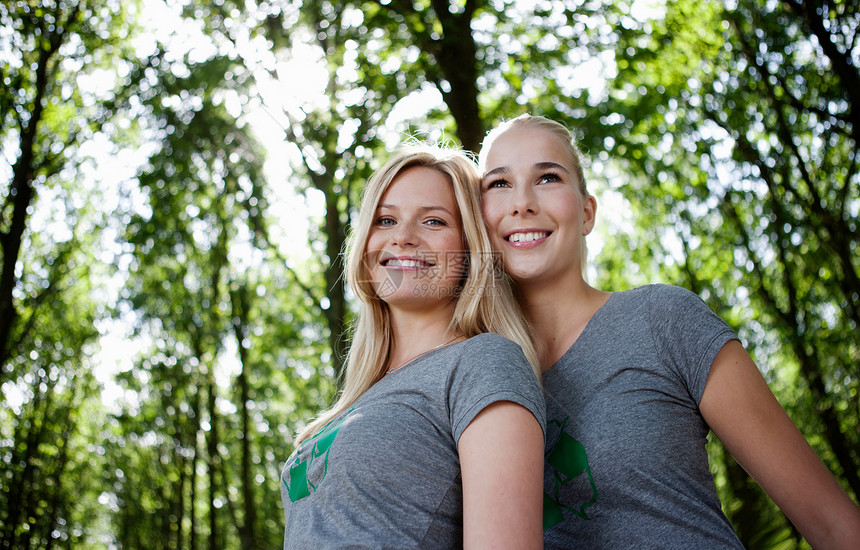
298, 485
568, 460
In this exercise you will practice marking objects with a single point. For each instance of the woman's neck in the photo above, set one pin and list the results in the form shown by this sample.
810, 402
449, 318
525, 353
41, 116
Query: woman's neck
415, 333
558, 313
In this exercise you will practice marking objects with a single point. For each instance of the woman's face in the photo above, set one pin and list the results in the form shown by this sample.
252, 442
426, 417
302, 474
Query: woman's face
532, 205
414, 252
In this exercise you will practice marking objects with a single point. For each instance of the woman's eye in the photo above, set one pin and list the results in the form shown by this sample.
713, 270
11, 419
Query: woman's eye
497, 183
548, 178
384, 221
436, 222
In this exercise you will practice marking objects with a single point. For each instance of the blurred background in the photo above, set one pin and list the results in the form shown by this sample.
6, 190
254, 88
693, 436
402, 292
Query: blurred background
178, 179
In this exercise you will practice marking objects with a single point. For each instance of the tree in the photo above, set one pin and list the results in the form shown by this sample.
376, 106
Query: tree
217, 300
49, 306
729, 130
53, 40
485, 58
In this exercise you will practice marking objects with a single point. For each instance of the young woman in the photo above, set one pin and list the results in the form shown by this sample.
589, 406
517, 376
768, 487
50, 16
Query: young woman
634, 380
436, 440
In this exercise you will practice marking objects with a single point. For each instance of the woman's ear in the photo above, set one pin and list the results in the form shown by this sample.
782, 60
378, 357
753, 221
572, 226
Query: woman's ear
590, 213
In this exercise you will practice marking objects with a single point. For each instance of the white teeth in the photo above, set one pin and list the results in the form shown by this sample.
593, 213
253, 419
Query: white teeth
527, 237
394, 262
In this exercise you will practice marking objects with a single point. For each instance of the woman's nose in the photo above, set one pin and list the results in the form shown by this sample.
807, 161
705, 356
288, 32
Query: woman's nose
404, 235
524, 200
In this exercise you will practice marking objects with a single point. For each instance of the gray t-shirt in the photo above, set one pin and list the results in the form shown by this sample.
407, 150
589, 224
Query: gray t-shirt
626, 464
386, 473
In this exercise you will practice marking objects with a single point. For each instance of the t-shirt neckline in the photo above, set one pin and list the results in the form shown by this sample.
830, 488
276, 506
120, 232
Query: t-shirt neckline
585, 332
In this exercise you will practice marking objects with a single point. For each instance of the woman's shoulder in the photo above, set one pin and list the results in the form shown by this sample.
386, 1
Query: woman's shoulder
674, 309
660, 289
491, 340
661, 294
655, 303
491, 347
491, 360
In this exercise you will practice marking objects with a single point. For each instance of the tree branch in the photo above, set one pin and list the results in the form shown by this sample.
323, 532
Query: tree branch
839, 61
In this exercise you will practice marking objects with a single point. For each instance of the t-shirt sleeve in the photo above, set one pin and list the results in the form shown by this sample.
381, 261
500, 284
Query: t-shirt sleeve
492, 369
688, 335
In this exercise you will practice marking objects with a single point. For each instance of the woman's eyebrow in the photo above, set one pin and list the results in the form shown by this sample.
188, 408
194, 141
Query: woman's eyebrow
422, 209
545, 165
549, 165
494, 171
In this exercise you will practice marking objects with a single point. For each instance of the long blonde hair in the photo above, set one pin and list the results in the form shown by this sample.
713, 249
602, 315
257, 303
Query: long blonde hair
558, 130
485, 301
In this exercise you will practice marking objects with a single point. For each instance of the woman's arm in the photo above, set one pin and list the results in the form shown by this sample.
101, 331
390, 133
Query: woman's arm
743, 413
501, 457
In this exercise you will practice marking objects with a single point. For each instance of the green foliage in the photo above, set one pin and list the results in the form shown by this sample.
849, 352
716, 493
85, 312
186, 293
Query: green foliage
200, 293
45, 421
725, 134
51, 236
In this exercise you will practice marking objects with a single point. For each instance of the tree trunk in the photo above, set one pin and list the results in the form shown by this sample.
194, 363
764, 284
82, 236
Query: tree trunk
21, 190
457, 57
21, 194
24, 470
247, 531
56, 496
192, 498
180, 497
212, 456
335, 281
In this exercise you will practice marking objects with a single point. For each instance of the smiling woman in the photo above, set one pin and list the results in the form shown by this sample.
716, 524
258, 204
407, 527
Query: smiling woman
415, 247
635, 379
437, 437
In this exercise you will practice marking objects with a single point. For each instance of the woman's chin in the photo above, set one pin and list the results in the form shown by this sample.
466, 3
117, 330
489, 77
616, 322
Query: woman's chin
419, 297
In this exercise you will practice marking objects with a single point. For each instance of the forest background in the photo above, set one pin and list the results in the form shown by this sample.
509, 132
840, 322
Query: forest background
178, 179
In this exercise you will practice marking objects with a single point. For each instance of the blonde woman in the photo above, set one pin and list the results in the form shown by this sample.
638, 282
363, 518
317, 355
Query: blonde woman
634, 380
436, 440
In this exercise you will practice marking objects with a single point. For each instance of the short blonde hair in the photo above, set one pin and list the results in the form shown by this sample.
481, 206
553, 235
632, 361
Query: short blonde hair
485, 300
